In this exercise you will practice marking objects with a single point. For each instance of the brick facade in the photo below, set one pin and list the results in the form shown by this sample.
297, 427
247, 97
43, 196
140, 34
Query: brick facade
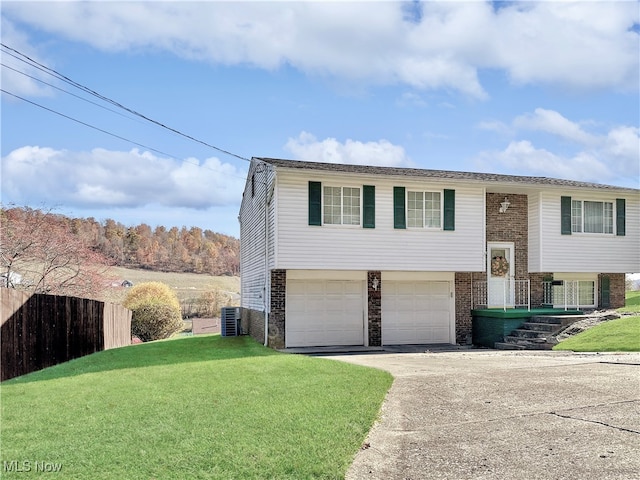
463, 306
278, 302
511, 226
537, 288
252, 323
374, 302
616, 289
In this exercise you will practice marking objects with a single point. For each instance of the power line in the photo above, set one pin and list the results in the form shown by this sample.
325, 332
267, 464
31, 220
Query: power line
66, 91
113, 134
84, 123
86, 89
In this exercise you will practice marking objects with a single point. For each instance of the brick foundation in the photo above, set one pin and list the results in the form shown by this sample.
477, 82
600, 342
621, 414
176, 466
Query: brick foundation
252, 323
616, 288
374, 300
278, 302
463, 306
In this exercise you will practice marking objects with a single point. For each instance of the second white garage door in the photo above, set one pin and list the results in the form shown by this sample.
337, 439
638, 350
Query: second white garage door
324, 313
415, 312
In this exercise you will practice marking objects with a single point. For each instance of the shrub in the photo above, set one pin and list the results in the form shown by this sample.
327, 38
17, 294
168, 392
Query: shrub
155, 321
156, 311
150, 292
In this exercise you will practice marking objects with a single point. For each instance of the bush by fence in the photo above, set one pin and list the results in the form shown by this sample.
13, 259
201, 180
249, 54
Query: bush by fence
38, 331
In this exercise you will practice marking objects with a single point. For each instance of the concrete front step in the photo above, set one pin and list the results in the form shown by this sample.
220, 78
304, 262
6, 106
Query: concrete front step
522, 346
540, 327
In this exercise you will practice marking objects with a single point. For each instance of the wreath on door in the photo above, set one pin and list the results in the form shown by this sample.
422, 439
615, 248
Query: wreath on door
499, 266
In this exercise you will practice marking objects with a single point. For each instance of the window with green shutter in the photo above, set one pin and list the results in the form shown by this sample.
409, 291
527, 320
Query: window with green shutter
449, 210
399, 216
620, 217
315, 203
605, 292
369, 206
565, 215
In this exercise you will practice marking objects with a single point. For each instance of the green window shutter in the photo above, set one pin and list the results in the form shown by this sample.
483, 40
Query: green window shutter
449, 210
315, 203
565, 215
399, 215
605, 292
620, 216
369, 206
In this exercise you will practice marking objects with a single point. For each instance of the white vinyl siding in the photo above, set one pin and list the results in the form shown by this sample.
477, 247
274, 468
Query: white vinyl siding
254, 239
301, 246
586, 252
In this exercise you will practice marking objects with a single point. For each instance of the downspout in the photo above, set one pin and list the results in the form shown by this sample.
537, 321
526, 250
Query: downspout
266, 294
266, 266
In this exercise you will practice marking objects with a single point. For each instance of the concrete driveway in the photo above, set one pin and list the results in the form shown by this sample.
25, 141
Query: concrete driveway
483, 414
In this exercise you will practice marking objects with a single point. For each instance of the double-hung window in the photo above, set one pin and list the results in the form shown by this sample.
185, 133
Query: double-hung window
591, 217
424, 209
341, 205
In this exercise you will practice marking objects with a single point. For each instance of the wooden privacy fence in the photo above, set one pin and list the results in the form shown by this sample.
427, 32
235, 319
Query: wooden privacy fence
38, 331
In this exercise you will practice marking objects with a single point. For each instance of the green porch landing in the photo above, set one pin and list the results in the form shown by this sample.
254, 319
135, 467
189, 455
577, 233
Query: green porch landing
491, 325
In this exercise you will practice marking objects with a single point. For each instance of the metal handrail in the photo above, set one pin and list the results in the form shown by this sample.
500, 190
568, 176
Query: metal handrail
521, 293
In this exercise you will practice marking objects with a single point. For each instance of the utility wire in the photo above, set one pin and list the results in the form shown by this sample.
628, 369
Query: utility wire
66, 91
84, 123
113, 102
174, 157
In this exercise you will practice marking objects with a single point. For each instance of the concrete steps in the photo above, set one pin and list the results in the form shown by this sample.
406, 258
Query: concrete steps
537, 333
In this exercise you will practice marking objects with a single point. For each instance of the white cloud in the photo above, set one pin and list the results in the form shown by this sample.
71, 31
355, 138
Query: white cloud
553, 122
444, 46
596, 156
11, 80
383, 153
106, 179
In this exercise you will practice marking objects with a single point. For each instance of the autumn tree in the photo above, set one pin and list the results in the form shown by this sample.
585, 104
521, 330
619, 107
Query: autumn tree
43, 249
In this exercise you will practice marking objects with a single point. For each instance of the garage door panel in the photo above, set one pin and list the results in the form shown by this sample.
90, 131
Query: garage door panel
324, 313
416, 312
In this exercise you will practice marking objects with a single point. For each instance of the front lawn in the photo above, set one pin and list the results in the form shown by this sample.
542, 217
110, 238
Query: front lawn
197, 407
621, 335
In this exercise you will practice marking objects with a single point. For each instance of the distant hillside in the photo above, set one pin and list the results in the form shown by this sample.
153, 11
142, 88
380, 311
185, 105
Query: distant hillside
161, 249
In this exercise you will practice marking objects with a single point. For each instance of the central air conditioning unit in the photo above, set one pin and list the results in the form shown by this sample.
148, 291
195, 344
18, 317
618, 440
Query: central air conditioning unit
230, 321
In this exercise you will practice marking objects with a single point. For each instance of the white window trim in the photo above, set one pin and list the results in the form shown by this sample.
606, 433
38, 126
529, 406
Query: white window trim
581, 277
341, 187
613, 217
424, 227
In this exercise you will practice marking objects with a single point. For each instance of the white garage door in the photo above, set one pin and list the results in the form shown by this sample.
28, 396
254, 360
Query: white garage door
416, 312
324, 313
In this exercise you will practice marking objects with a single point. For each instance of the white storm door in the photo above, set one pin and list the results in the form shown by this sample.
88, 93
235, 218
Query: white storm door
500, 274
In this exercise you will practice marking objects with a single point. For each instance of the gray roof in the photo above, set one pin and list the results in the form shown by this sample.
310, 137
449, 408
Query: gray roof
440, 174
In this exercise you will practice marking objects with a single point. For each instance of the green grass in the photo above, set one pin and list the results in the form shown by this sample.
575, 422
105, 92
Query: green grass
197, 407
621, 335
632, 302
186, 285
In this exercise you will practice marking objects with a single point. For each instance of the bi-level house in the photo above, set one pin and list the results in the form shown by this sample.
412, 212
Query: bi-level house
361, 255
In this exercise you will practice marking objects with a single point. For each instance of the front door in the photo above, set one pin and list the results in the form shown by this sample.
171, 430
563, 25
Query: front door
500, 274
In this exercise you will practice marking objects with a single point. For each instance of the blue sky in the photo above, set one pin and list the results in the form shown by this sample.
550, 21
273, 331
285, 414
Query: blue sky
542, 88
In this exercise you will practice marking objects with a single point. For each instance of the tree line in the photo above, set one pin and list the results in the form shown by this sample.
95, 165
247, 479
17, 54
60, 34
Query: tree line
47, 252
